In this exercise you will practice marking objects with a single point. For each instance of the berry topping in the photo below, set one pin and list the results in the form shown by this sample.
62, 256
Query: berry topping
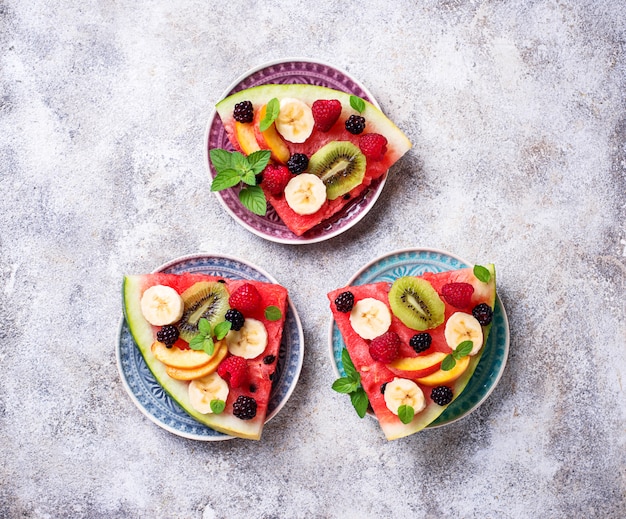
421, 342
344, 302
168, 335
483, 313
325, 113
275, 178
244, 407
441, 395
298, 163
233, 370
373, 146
386, 347
458, 295
355, 124
236, 319
268, 359
243, 112
246, 299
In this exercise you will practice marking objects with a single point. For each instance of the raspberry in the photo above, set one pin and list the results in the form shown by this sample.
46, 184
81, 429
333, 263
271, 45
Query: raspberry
243, 112
246, 299
441, 395
344, 302
233, 370
373, 146
168, 335
458, 295
483, 313
421, 342
325, 113
236, 319
275, 178
355, 124
386, 347
298, 163
244, 407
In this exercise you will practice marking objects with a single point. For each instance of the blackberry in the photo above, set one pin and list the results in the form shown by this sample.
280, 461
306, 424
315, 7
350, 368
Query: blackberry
235, 317
243, 112
268, 359
355, 124
421, 342
244, 407
168, 335
483, 313
344, 302
298, 163
441, 395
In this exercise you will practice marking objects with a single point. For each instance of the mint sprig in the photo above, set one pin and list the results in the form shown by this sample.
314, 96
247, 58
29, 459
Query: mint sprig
235, 169
272, 110
406, 413
462, 350
204, 340
351, 385
217, 405
273, 313
357, 103
482, 273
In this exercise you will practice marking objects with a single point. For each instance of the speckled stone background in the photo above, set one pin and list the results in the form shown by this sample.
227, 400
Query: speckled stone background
517, 112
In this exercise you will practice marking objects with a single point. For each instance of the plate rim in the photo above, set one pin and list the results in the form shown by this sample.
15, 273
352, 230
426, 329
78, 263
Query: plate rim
295, 240
222, 436
507, 339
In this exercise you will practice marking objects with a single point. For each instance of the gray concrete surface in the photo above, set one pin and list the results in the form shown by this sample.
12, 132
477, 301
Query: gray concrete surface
518, 115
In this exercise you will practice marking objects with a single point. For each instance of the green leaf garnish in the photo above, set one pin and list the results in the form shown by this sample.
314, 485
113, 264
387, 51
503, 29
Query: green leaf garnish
359, 401
350, 384
463, 349
258, 160
221, 159
448, 362
271, 113
406, 413
348, 366
357, 103
203, 340
217, 405
273, 313
345, 385
482, 274
204, 326
222, 329
253, 198
197, 342
225, 179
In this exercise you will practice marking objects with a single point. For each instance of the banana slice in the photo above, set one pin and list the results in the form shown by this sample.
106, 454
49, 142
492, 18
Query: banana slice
161, 305
203, 390
305, 193
250, 341
464, 327
295, 120
370, 318
402, 391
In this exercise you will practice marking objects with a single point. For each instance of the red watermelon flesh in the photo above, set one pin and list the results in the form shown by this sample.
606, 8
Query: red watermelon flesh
258, 383
374, 374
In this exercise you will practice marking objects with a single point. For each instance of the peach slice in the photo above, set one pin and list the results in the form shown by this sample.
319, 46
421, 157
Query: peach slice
177, 358
246, 138
189, 374
443, 377
418, 363
270, 139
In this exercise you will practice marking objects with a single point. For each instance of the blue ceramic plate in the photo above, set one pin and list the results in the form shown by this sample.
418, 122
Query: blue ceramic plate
414, 262
152, 399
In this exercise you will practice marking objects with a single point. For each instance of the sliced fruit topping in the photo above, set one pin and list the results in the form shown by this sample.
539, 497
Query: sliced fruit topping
246, 299
295, 120
276, 178
250, 341
305, 193
370, 318
235, 318
246, 138
269, 139
298, 163
176, 358
168, 335
192, 373
418, 363
205, 299
445, 377
161, 305
203, 391
355, 124
233, 370
386, 347
464, 327
483, 314
421, 342
416, 303
458, 295
244, 407
344, 302
340, 165
326, 112
373, 146
404, 392
441, 395
243, 112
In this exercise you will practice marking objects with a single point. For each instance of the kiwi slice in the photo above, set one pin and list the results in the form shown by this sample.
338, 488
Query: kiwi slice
208, 299
416, 303
340, 165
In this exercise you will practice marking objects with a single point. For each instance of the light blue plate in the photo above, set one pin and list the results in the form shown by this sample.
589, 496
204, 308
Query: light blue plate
152, 399
414, 262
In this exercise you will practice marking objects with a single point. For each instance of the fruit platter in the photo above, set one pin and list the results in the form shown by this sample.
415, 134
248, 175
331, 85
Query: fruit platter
418, 339
298, 152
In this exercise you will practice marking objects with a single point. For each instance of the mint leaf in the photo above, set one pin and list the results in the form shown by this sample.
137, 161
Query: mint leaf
217, 405
348, 367
253, 198
482, 273
204, 326
221, 159
448, 363
271, 113
197, 343
249, 177
273, 313
463, 349
344, 385
225, 179
258, 160
359, 401
222, 329
357, 103
208, 345
406, 413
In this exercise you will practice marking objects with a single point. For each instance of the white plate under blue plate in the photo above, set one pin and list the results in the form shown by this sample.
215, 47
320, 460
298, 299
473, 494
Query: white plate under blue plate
414, 262
149, 395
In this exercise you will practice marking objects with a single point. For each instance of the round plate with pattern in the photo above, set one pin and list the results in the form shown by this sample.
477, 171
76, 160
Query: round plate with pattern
270, 227
414, 262
149, 395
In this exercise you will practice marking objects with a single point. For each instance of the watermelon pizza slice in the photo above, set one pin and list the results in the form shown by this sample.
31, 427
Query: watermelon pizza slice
212, 343
413, 345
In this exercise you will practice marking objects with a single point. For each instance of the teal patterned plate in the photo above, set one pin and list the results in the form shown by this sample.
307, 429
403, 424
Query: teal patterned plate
414, 262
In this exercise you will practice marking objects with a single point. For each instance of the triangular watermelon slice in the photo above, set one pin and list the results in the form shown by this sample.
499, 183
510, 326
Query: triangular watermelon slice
423, 368
247, 138
258, 380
